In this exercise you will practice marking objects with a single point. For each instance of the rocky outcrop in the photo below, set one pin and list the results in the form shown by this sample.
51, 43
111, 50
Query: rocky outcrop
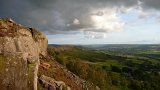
52, 84
23, 52
20, 50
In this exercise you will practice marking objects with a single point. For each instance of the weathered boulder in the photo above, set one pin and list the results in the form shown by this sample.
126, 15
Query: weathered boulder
20, 50
48, 82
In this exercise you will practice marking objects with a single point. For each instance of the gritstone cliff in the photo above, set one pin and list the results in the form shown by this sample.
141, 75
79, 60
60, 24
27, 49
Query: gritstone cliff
20, 50
23, 52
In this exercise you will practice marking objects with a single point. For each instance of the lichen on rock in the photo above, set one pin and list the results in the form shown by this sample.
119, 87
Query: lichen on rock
22, 48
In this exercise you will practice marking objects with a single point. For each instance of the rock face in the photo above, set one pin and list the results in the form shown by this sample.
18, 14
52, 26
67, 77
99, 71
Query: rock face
20, 50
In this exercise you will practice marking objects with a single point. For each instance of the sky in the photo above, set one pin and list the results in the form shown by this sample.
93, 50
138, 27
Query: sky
89, 21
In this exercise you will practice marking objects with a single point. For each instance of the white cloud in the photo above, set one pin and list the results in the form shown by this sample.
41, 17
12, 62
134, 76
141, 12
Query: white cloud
94, 35
106, 20
76, 21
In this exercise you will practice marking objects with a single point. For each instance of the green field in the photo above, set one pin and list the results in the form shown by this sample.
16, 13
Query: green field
113, 67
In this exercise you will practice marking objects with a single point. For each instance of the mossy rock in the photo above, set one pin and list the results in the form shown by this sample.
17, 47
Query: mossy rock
30, 75
2, 64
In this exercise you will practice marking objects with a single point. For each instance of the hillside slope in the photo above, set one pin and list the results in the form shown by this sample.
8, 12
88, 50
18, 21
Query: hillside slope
132, 70
61, 73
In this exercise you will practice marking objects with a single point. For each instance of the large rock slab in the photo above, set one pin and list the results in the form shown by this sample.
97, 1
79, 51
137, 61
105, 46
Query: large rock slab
20, 50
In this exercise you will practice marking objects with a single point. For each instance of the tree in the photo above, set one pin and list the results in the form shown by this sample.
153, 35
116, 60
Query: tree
115, 69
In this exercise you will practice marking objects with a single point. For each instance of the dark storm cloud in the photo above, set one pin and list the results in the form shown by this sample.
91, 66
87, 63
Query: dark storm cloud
42, 3
151, 4
57, 16
45, 3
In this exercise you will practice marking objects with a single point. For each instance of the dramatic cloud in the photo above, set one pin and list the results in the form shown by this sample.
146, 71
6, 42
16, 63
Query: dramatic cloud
106, 20
151, 4
68, 16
